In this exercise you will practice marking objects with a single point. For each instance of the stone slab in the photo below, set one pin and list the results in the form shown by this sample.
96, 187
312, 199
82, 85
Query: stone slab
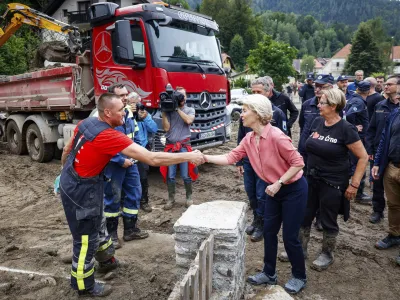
215, 215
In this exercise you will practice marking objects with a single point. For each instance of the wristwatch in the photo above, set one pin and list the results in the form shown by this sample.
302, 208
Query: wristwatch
280, 181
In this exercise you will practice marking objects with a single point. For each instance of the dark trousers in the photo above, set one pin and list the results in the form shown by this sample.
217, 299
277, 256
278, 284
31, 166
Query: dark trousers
378, 194
328, 200
143, 170
82, 199
286, 207
255, 189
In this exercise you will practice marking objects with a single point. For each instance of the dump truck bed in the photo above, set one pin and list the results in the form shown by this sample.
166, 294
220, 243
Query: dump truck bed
50, 89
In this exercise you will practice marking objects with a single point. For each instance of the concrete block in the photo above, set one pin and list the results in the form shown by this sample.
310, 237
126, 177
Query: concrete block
274, 292
227, 221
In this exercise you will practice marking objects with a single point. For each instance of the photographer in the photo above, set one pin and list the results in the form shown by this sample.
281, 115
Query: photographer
177, 126
146, 125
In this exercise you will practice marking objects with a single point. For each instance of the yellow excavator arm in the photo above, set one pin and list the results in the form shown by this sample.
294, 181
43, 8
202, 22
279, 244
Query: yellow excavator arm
18, 14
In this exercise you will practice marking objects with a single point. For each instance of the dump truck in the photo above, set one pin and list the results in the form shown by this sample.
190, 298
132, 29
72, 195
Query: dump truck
145, 47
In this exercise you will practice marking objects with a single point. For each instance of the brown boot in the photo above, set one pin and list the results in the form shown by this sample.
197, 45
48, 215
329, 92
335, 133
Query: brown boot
131, 232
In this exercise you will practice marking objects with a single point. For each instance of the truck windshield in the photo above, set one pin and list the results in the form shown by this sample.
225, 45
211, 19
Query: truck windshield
185, 41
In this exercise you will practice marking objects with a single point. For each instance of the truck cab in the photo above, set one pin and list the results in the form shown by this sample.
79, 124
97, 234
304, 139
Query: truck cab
147, 46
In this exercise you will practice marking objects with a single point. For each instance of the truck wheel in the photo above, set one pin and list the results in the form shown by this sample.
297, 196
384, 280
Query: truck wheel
16, 142
38, 151
235, 115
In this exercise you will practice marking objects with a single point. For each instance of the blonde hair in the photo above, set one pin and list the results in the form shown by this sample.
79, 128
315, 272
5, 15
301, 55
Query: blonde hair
133, 96
261, 106
335, 97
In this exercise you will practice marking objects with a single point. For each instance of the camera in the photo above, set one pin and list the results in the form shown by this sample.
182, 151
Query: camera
170, 99
139, 106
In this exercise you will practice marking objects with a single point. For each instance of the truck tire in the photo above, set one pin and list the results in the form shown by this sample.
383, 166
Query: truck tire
235, 115
15, 140
38, 151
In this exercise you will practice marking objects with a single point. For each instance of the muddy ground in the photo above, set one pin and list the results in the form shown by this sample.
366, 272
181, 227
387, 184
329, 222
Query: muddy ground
34, 236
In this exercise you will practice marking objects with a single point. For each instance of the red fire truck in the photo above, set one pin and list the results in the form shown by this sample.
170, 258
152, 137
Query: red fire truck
145, 47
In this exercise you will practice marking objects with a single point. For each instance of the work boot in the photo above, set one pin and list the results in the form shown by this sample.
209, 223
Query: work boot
144, 202
108, 265
171, 196
112, 229
258, 233
317, 223
361, 197
388, 242
99, 290
188, 189
250, 229
304, 238
326, 258
131, 232
376, 217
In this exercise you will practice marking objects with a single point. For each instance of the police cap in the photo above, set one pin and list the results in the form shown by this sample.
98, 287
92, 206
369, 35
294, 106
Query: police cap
310, 76
363, 86
324, 79
342, 78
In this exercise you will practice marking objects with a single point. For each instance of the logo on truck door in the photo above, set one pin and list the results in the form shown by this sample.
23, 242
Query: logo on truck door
101, 51
106, 78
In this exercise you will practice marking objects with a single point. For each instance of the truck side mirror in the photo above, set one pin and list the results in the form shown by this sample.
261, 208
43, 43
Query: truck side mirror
123, 39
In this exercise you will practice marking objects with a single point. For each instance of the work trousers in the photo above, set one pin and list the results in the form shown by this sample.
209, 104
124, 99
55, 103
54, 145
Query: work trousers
391, 181
255, 189
287, 207
82, 199
122, 190
328, 200
183, 167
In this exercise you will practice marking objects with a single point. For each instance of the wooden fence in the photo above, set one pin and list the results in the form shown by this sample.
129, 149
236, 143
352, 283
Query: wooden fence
197, 283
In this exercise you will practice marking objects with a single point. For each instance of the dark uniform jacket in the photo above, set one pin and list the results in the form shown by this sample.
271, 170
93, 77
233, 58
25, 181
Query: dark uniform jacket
377, 124
309, 111
356, 113
306, 92
284, 103
382, 153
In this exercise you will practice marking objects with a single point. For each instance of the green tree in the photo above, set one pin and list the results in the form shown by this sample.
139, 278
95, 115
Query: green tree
12, 57
274, 59
307, 64
237, 51
364, 52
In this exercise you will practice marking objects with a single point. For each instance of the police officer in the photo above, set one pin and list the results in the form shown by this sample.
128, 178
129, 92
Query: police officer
342, 82
356, 113
254, 186
81, 188
146, 126
352, 87
307, 90
374, 133
122, 190
284, 104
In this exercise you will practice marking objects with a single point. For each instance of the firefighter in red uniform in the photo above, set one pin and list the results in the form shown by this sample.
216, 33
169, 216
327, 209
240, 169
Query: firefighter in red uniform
81, 188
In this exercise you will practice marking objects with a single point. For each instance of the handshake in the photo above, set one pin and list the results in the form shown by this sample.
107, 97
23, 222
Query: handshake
198, 158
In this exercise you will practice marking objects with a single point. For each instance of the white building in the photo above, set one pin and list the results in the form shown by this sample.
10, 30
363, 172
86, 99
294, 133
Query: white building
396, 59
335, 66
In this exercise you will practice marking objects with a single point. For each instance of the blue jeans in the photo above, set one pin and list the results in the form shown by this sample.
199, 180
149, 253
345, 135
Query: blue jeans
183, 167
255, 189
287, 207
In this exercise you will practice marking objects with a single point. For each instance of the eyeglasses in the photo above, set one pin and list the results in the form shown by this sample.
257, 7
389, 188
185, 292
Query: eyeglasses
323, 103
389, 84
